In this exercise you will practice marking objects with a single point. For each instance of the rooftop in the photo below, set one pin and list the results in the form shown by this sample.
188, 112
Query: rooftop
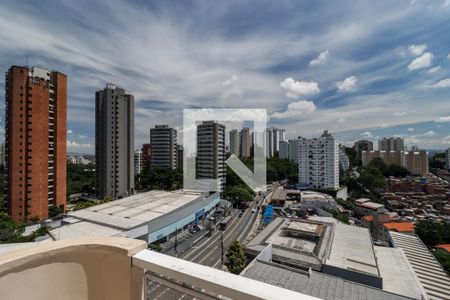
314, 283
445, 247
400, 226
136, 210
433, 278
397, 273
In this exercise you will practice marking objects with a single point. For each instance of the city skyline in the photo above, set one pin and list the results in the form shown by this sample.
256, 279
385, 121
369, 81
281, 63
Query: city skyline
346, 75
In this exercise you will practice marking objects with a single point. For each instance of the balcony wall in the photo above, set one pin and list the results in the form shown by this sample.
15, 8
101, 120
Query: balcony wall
89, 268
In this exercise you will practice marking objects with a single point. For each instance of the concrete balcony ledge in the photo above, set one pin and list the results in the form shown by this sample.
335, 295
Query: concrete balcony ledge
116, 268
88, 268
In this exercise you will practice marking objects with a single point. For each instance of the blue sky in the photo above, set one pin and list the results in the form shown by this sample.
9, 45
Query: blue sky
361, 69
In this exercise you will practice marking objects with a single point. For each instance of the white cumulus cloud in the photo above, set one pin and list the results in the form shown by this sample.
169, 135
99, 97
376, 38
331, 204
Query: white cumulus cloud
421, 62
69, 131
434, 70
430, 133
321, 59
367, 135
296, 109
417, 49
296, 88
445, 119
410, 129
348, 84
444, 83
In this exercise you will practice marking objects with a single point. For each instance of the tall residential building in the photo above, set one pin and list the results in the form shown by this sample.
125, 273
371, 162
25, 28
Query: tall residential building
391, 144
164, 147
284, 150
235, 142
138, 162
35, 131
318, 162
273, 138
362, 145
114, 142
293, 150
246, 142
210, 162
146, 156
344, 161
415, 161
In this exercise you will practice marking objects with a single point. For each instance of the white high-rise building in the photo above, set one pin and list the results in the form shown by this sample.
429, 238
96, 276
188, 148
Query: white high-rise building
137, 162
273, 138
164, 147
235, 142
318, 162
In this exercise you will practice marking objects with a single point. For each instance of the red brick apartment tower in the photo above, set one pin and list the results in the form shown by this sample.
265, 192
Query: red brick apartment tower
36, 116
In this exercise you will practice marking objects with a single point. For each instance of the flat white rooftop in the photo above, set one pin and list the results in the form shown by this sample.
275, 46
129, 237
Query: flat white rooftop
130, 212
81, 229
352, 248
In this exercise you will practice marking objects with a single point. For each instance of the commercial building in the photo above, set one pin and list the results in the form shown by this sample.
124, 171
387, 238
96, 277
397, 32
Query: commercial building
311, 282
210, 161
362, 145
35, 131
245, 142
114, 142
364, 207
235, 142
415, 161
391, 144
318, 162
433, 278
150, 216
164, 147
138, 163
146, 156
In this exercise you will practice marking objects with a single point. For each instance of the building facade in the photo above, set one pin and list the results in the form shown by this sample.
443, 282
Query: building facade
391, 144
210, 161
114, 142
138, 162
273, 138
164, 147
447, 159
180, 153
235, 142
245, 142
318, 162
284, 150
344, 161
415, 161
35, 149
362, 145
146, 156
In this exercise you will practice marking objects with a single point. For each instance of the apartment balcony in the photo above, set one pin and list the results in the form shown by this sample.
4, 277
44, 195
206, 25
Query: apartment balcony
119, 268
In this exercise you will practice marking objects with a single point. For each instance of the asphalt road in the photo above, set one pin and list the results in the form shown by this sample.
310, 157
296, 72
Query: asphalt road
208, 251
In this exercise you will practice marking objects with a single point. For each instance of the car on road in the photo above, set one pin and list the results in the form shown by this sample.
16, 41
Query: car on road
240, 215
253, 211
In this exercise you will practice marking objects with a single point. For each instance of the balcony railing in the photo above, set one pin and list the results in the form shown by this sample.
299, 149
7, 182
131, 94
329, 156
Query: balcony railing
120, 268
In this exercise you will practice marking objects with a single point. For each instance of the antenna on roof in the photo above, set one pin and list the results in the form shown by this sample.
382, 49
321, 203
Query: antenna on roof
26, 60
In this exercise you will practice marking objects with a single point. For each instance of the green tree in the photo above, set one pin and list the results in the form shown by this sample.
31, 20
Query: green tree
444, 258
159, 179
433, 233
80, 179
235, 258
54, 211
372, 178
397, 171
9, 230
